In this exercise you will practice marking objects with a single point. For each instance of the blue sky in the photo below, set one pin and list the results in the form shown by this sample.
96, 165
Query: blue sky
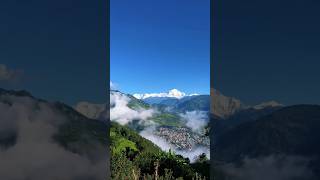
59, 47
160, 45
267, 50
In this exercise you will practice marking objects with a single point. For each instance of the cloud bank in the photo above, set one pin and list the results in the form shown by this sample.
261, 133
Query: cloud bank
275, 167
192, 154
32, 153
196, 120
121, 113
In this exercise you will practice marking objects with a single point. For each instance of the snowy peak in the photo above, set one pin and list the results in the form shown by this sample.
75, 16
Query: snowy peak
176, 93
173, 93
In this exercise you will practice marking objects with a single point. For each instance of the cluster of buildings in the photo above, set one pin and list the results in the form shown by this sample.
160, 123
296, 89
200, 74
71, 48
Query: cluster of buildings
183, 138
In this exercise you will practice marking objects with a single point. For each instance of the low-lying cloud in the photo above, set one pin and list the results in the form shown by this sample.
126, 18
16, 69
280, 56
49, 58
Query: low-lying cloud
192, 154
33, 153
275, 167
148, 133
122, 114
196, 120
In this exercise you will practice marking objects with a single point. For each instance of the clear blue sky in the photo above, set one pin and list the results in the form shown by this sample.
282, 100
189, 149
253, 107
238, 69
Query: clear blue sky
160, 45
263, 49
266, 50
59, 45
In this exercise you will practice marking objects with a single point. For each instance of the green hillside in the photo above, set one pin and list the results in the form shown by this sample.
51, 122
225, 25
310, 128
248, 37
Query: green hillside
53, 133
167, 119
136, 157
78, 130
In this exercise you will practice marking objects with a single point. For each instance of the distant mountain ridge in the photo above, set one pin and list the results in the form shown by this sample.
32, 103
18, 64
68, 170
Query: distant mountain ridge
223, 107
9, 97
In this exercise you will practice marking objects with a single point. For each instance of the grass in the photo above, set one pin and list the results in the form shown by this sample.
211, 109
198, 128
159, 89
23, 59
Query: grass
167, 119
121, 144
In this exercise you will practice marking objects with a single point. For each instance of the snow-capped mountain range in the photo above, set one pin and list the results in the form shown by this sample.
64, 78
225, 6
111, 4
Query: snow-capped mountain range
173, 93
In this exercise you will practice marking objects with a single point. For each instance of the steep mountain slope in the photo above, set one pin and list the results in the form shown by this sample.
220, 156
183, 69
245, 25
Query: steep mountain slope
49, 134
123, 138
292, 131
132, 153
131, 149
222, 126
90, 110
167, 128
80, 131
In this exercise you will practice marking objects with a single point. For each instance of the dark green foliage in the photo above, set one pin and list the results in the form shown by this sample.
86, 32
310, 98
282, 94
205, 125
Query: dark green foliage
179, 166
80, 134
122, 167
167, 119
137, 103
144, 159
202, 165
143, 145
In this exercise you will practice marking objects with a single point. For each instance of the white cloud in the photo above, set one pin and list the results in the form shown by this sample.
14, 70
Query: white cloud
192, 154
175, 93
161, 142
113, 86
196, 120
35, 154
121, 113
194, 94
